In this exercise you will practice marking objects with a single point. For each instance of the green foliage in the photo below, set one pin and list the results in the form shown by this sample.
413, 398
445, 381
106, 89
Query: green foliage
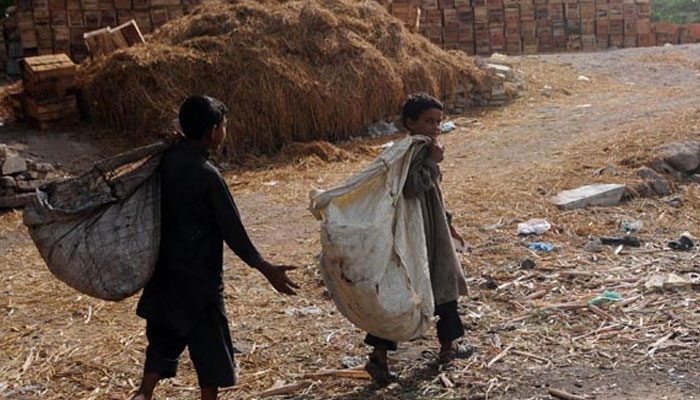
675, 11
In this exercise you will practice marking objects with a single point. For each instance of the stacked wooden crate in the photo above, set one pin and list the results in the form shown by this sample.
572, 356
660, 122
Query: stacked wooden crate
572, 13
482, 40
57, 26
465, 15
431, 21
450, 25
587, 12
602, 24
49, 82
497, 25
645, 37
630, 14
408, 11
556, 14
617, 24
528, 24
514, 41
544, 27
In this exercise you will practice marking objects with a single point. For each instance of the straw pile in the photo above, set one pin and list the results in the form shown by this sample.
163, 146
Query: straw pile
290, 71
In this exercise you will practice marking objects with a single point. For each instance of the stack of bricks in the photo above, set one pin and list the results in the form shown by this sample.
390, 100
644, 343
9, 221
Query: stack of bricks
57, 26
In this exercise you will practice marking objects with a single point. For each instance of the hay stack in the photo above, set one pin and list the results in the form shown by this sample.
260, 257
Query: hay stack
290, 71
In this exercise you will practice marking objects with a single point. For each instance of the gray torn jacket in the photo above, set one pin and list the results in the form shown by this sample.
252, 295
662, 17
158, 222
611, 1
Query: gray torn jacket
446, 275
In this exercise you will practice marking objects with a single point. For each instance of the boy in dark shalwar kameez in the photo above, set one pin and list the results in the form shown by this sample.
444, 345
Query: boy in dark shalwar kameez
422, 115
183, 303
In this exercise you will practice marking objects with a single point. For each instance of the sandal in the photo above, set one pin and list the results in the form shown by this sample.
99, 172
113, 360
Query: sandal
378, 372
461, 351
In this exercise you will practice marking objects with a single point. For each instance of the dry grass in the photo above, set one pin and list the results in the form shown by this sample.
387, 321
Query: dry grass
290, 71
55, 344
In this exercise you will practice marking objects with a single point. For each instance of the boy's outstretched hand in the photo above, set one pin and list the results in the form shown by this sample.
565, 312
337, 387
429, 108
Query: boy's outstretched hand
277, 275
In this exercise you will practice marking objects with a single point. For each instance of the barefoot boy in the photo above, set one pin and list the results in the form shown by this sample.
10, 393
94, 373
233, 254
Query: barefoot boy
422, 115
183, 303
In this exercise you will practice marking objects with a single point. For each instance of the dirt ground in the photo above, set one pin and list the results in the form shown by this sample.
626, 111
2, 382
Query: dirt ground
584, 118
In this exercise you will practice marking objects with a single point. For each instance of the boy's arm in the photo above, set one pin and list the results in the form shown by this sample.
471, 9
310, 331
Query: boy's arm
228, 220
422, 174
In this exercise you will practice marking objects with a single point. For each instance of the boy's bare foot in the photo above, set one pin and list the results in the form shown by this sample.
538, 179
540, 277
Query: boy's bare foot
140, 396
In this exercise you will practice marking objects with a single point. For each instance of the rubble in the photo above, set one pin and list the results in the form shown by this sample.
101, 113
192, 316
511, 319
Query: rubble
682, 156
653, 182
590, 195
20, 178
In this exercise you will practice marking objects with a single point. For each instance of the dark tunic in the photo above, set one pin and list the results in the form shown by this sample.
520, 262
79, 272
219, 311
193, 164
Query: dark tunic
197, 215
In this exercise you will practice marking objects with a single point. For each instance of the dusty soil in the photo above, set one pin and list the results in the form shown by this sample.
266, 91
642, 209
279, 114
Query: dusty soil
501, 166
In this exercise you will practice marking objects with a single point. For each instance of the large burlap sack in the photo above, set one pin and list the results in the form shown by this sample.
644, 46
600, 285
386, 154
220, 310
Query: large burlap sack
374, 259
100, 232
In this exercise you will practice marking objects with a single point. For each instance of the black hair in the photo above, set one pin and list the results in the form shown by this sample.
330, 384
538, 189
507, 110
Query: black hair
198, 114
417, 104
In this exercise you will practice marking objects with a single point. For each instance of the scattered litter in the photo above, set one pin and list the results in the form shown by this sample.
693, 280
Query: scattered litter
606, 299
386, 145
537, 246
584, 106
448, 126
627, 226
674, 202
535, 226
682, 244
583, 78
352, 361
630, 241
270, 183
311, 310
381, 128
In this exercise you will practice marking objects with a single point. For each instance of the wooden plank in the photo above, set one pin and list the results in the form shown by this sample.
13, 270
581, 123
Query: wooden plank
131, 33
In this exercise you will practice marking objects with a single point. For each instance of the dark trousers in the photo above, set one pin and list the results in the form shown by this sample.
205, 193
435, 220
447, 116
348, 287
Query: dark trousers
210, 347
449, 327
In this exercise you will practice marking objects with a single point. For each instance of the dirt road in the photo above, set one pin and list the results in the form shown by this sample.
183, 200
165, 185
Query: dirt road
584, 118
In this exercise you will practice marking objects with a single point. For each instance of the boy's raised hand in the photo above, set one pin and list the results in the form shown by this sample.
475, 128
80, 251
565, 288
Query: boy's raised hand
437, 151
277, 276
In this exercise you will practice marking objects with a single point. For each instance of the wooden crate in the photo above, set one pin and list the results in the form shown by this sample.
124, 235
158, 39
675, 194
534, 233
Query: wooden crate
108, 18
76, 19
165, 3
130, 32
90, 5
143, 20
44, 113
159, 16
122, 4
49, 76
